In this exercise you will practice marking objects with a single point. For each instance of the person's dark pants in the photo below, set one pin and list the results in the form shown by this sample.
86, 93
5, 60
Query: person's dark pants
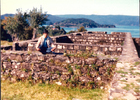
43, 50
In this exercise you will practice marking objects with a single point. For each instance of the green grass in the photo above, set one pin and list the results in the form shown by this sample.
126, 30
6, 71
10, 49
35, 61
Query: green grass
122, 72
123, 80
138, 80
6, 43
137, 63
41, 91
127, 87
136, 73
133, 87
123, 76
137, 89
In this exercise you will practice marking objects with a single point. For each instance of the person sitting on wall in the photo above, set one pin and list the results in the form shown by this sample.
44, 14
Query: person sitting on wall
45, 43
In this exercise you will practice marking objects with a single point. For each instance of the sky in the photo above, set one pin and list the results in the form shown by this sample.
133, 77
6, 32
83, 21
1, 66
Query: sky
61, 7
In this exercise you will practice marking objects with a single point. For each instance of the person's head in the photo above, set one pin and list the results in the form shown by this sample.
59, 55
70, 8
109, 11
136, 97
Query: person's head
45, 33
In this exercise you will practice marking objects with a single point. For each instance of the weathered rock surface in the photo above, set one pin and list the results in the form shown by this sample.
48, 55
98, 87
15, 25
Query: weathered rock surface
88, 73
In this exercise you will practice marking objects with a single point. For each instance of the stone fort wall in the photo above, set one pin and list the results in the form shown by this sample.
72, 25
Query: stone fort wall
96, 42
78, 68
71, 71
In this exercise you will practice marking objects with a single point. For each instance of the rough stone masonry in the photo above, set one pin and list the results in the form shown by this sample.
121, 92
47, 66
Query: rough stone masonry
79, 66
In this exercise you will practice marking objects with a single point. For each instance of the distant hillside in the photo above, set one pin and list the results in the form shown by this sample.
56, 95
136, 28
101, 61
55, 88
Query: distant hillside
6, 15
52, 18
71, 22
101, 19
108, 19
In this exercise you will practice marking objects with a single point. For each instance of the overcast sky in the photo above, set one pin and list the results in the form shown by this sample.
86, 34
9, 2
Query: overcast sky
55, 7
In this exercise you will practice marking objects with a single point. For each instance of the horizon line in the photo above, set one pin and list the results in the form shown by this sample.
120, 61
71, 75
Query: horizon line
85, 14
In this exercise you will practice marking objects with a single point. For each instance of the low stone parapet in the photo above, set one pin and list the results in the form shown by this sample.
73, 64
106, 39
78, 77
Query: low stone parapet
6, 47
74, 48
96, 49
72, 71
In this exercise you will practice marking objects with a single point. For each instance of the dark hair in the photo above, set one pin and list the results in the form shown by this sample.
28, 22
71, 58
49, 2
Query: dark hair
45, 31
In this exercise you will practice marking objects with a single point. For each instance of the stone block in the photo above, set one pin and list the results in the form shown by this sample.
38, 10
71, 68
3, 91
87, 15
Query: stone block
107, 53
33, 58
76, 47
68, 51
64, 46
84, 79
96, 41
105, 49
112, 48
19, 58
55, 76
71, 47
6, 65
88, 47
112, 38
114, 53
25, 66
82, 48
119, 53
16, 65
73, 51
59, 46
119, 49
95, 48
64, 77
83, 42
90, 61
31, 47
90, 38
41, 58
23, 45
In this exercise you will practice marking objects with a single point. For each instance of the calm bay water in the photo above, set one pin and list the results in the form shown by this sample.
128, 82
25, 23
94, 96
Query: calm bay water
134, 30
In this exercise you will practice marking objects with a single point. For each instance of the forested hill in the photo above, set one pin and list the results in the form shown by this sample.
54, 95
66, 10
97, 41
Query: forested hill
101, 19
107, 19
71, 22
6, 15
51, 18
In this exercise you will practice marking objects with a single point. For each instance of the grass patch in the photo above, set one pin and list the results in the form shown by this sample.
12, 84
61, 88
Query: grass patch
116, 58
123, 80
138, 80
127, 87
137, 89
136, 73
137, 63
6, 43
123, 76
119, 99
122, 72
131, 69
131, 86
41, 91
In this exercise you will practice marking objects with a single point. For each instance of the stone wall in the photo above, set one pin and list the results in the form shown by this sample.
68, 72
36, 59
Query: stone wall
93, 38
137, 45
96, 49
96, 42
72, 71
6, 47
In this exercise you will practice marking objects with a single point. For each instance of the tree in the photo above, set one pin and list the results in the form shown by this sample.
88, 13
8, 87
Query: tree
4, 35
36, 18
11, 25
82, 29
15, 25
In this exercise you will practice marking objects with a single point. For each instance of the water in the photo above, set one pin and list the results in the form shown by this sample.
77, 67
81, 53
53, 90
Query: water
134, 30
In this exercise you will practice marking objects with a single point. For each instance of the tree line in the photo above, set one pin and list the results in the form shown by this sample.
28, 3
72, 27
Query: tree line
23, 25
